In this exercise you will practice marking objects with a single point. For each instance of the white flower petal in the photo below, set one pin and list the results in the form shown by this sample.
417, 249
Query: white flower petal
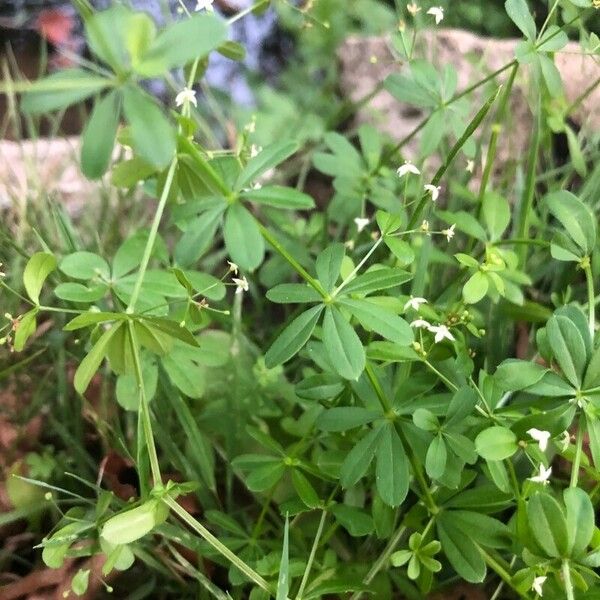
361, 223
414, 303
540, 436
538, 583
186, 96
437, 12
434, 190
407, 168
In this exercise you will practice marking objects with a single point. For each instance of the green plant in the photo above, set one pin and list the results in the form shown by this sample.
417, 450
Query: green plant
350, 419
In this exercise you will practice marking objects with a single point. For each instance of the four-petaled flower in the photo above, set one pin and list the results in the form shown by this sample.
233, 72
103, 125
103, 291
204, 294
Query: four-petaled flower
186, 96
538, 584
233, 268
441, 333
407, 168
434, 190
470, 166
361, 223
449, 233
437, 12
205, 5
241, 284
413, 8
540, 436
421, 324
544, 475
414, 303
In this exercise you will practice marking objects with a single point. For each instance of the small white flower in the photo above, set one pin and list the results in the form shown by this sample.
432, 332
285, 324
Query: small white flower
541, 437
255, 150
205, 5
543, 476
425, 226
413, 8
233, 268
538, 583
421, 324
441, 333
564, 441
434, 191
186, 96
407, 168
349, 244
414, 303
470, 166
241, 285
2, 273
449, 233
437, 12
257, 185
361, 223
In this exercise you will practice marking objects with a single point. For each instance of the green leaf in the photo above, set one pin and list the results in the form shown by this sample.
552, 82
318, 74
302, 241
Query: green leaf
518, 11
265, 476
60, 90
280, 197
320, 387
461, 406
186, 376
98, 137
401, 249
84, 265
437, 455
343, 346
130, 525
328, 265
425, 419
392, 474
382, 321
371, 144
496, 214
183, 42
106, 34
80, 581
548, 525
515, 374
26, 327
293, 337
568, 348
198, 236
305, 490
360, 457
575, 217
77, 292
37, 269
242, 236
266, 159
377, 280
172, 328
462, 552
283, 581
496, 443
152, 135
293, 293
482, 529
355, 521
475, 288
553, 40
343, 418
580, 520
93, 318
90, 364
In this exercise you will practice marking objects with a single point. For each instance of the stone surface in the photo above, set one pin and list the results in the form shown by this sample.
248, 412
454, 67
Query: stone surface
366, 61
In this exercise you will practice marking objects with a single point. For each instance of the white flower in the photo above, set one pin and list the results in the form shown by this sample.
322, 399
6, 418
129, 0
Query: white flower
433, 190
255, 150
414, 303
538, 583
438, 13
449, 233
257, 185
425, 226
233, 268
564, 441
406, 168
470, 166
441, 333
543, 476
241, 285
361, 223
541, 437
205, 5
421, 324
413, 8
186, 96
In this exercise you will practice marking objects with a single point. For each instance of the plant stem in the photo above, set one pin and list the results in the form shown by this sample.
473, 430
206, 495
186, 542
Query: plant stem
152, 236
578, 451
311, 557
292, 261
493, 564
591, 304
356, 269
217, 545
144, 409
566, 573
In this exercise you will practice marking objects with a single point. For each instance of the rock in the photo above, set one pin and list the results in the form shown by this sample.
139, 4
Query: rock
367, 61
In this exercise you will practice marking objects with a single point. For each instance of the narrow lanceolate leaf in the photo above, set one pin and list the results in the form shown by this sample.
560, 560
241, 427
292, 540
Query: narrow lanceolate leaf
293, 293
343, 418
377, 280
343, 346
518, 11
568, 348
266, 159
242, 237
293, 337
580, 520
98, 138
548, 524
392, 475
328, 265
283, 582
280, 197
359, 458
382, 321
38, 267
90, 364
575, 217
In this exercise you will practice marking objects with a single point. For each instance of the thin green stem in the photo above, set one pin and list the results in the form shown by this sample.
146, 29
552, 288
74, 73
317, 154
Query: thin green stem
566, 573
448, 383
591, 295
253, 7
356, 269
144, 409
152, 236
578, 452
217, 545
493, 564
311, 556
